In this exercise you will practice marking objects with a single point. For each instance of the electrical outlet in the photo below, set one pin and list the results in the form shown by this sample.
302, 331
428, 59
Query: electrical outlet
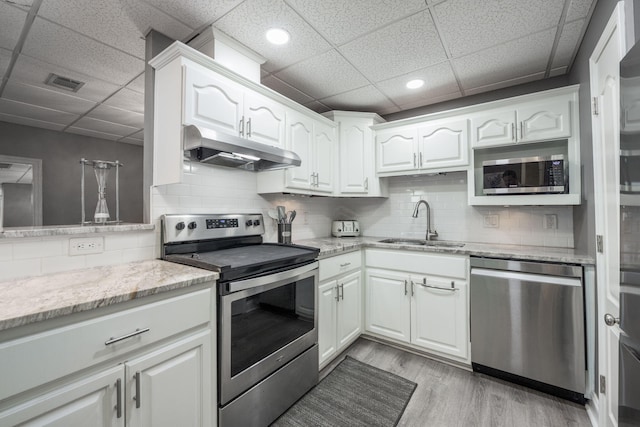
86, 245
550, 221
491, 221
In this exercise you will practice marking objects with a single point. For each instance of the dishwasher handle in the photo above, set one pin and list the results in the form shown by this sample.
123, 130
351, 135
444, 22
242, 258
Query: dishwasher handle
527, 277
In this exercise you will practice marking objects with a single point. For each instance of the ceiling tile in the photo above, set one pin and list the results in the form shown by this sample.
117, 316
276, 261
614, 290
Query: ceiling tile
137, 84
285, 89
518, 58
132, 141
32, 71
468, 26
30, 122
331, 75
138, 135
104, 127
12, 23
195, 13
146, 17
507, 83
368, 99
38, 113
117, 115
127, 99
93, 133
58, 45
404, 46
428, 100
439, 80
56, 100
249, 22
341, 21
5, 59
578, 9
568, 43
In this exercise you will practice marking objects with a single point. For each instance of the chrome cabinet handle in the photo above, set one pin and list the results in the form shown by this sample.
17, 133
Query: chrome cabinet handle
337, 292
118, 398
413, 286
241, 126
609, 320
420, 164
440, 288
405, 287
366, 183
342, 291
345, 264
414, 161
249, 128
521, 130
136, 377
513, 131
317, 179
124, 337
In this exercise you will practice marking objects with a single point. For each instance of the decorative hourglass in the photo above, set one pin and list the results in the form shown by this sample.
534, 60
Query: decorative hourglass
101, 169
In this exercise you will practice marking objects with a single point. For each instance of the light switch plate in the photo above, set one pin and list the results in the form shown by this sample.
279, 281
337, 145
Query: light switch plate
550, 221
86, 245
491, 221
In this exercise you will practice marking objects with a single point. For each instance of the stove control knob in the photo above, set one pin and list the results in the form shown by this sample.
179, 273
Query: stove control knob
249, 223
192, 225
256, 222
180, 226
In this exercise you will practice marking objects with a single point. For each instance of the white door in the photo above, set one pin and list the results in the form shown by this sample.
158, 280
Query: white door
443, 144
349, 309
327, 317
546, 119
440, 319
396, 150
605, 86
264, 120
300, 141
90, 401
171, 386
324, 157
388, 304
213, 102
493, 129
353, 147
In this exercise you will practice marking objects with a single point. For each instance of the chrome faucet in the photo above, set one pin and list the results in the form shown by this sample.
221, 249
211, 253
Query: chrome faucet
431, 235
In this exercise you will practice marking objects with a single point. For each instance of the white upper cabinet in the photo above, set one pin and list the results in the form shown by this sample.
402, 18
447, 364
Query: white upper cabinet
443, 144
356, 173
264, 120
526, 121
430, 146
324, 152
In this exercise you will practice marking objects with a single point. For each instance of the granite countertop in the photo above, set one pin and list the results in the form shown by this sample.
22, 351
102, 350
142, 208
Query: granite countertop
68, 230
34, 299
330, 246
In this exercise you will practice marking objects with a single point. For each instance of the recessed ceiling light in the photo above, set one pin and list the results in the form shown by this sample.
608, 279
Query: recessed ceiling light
415, 84
277, 36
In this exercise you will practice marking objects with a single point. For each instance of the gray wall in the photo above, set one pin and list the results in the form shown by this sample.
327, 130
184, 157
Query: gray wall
61, 153
17, 206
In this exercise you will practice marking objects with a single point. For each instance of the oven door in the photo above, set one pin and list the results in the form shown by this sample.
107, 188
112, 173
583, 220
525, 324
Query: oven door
264, 324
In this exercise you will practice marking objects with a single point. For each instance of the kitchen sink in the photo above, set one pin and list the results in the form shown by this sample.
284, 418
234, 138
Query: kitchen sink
418, 242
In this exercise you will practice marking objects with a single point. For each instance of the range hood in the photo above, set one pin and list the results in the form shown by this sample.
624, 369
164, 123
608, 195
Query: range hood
222, 149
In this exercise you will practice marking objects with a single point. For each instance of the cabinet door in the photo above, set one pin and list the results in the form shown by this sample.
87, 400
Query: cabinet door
300, 141
388, 303
327, 316
396, 150
212, 101
324, 153
171, 386
546, 119
440, 318
349, 309
493, 129
444, 144
264, 120
89, 401
353, 147
630, 94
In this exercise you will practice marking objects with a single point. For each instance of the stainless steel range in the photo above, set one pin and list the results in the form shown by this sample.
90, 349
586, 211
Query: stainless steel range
266, 310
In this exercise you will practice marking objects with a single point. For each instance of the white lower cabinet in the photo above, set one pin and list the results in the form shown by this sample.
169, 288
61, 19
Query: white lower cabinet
419, 299
339, 305
143, 380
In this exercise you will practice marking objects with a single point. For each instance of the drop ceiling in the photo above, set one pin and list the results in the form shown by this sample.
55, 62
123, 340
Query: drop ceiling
349, 55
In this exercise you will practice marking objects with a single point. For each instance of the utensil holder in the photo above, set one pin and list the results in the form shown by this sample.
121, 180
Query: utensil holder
284, 233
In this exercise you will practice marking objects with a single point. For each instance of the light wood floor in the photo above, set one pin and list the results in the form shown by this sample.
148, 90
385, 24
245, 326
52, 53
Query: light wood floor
449, 396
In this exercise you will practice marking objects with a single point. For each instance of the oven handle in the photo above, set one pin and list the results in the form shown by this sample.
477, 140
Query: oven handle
256, 282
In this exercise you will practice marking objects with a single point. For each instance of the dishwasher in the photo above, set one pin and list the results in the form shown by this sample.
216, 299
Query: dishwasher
528, 326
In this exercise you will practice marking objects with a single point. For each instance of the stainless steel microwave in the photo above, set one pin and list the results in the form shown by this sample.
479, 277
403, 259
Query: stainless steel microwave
526, 175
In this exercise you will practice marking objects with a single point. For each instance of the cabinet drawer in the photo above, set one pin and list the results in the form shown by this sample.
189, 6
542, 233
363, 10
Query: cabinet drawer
333, 266
418, 262
42, 357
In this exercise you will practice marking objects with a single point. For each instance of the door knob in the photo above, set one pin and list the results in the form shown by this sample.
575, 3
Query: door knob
610, 320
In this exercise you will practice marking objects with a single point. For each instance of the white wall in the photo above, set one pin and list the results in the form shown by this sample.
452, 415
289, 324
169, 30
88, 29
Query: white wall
452, 218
